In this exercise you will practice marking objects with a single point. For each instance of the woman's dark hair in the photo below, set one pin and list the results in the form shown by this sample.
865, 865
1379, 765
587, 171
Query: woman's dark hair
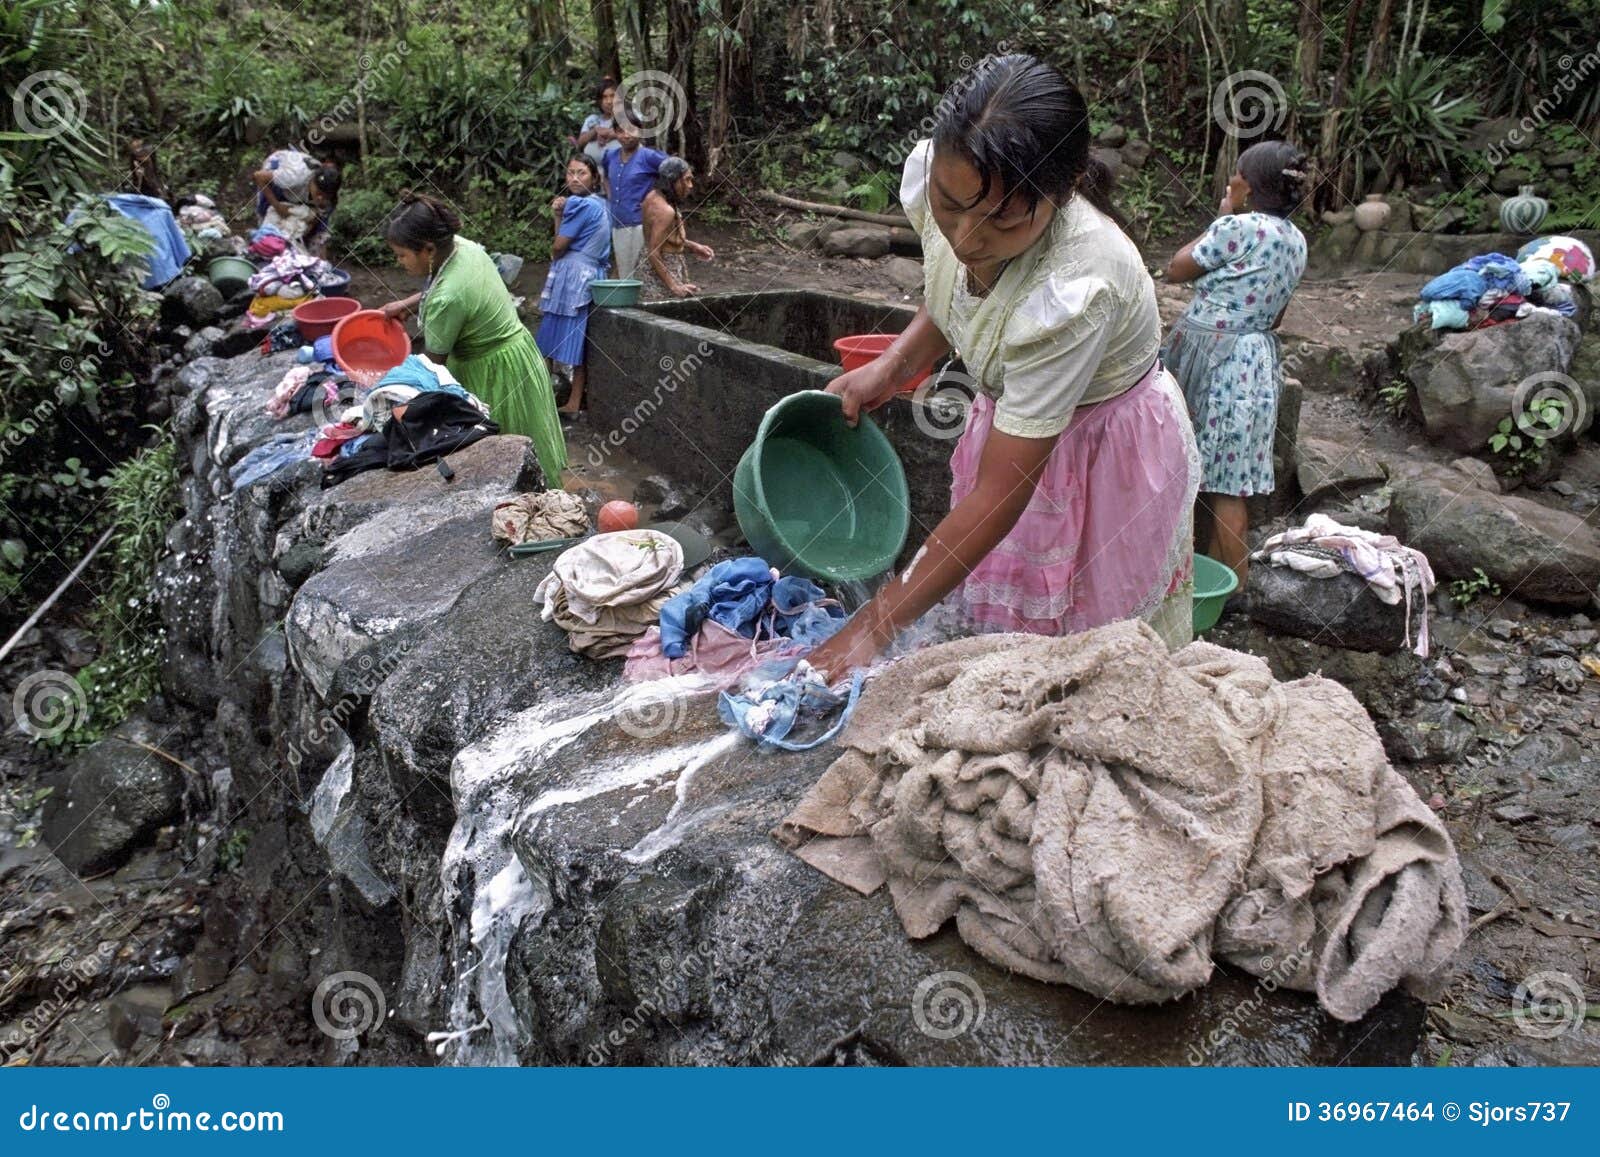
1019, 121
327, 179
1276, 171
600, 89
672, 170
421, 220
587, 162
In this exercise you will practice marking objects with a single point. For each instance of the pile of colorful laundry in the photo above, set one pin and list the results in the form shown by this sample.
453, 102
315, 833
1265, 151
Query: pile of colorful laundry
1492, 288
738, 615
198, 214
1323, 548
610, 589
283, 283
369, 414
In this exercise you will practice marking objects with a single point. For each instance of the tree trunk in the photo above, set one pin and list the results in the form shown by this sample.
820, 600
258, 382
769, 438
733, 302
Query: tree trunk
1378, 42
607, 57
683, 25
1330, 165
1308, 58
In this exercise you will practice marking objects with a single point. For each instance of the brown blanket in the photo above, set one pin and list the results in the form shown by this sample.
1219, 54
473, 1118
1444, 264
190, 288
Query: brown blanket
1096, 811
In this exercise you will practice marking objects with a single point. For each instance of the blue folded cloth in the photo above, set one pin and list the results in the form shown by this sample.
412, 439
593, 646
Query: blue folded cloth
736, 594
171, 252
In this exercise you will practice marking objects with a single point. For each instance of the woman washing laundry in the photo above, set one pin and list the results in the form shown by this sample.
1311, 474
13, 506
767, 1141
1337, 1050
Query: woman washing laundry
296, 196
581, 252
666, 243
1223, 350
1075, 478
468, 322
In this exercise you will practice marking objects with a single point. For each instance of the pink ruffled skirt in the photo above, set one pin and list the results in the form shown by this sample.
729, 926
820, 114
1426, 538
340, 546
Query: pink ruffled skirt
1108, 532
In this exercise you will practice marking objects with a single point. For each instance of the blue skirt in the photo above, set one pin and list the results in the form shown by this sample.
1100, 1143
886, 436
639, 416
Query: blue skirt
560, 338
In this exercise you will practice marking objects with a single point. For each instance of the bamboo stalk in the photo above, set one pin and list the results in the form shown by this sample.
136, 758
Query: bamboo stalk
834, 210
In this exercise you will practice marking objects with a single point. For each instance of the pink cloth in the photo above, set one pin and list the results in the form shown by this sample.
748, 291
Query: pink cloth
714, 652
1106, 535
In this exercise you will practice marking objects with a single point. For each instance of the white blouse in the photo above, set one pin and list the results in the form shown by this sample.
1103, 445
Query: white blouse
1071, 321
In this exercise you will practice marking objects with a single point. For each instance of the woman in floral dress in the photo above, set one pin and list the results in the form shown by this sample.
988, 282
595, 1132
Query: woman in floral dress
1223, 350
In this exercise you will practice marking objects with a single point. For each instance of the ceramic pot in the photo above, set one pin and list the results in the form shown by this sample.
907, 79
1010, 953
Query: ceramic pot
1524, 213
1373, 213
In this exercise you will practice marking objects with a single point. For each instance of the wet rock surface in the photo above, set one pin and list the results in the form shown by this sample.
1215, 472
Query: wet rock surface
397, 778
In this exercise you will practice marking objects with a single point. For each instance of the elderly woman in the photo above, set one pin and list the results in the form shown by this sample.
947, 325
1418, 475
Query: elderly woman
666, 244
581, 252
1074, 481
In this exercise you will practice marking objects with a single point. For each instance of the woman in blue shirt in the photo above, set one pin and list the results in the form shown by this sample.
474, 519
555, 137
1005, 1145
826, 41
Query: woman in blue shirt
581, 251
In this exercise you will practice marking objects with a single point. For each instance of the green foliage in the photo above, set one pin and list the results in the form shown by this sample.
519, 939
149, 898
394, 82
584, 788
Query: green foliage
230, 856
876, 193
1396, 396
1466, 591
142, 503
1520, 440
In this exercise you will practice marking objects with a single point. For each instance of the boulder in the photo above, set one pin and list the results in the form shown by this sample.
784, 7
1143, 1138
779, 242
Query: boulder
202, 343
848, 163
109, 801
190, 301
1338, 612
1110, 158
1440, 219
1481, 473
1113, 137
904, 273
1329, 469
810, 234
1508, 181
861, 240
1135, 154
1465, 384
1533, 552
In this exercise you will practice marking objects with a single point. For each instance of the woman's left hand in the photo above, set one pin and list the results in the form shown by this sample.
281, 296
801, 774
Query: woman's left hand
706, 252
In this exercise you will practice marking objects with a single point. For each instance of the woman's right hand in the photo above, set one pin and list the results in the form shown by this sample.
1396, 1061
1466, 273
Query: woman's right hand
866, 388
395, 309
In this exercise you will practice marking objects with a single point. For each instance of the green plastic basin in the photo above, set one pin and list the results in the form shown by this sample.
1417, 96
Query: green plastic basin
814, 496
1213, 583
230, 274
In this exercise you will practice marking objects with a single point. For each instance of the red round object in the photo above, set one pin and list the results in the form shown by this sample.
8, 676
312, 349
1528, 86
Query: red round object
863, 349
317, 317
618, 515
369, 342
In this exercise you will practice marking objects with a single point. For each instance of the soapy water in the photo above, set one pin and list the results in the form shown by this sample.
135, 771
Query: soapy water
488, 891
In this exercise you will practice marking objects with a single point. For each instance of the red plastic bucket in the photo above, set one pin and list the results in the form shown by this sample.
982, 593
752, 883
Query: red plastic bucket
368, 344
317, 317
862, 349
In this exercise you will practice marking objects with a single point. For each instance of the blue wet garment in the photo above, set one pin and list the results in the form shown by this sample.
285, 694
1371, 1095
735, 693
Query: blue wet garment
770, 714
171, 251
1499, 272
415, 373
741, 595
1460, 284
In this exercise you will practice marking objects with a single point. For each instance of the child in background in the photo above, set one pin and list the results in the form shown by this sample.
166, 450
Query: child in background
598, 135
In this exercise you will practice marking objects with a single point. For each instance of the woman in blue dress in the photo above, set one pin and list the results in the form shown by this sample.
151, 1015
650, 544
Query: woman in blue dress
1223, 350
582, 252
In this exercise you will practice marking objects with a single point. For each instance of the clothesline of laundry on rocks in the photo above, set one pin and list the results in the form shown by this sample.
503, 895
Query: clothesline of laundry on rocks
1492, 289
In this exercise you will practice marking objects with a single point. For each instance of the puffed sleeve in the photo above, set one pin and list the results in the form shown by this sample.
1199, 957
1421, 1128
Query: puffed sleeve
441, 323
1224, 241
1052, 350
914, 184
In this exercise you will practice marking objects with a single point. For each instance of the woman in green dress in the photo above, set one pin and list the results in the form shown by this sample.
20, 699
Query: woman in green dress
469, 322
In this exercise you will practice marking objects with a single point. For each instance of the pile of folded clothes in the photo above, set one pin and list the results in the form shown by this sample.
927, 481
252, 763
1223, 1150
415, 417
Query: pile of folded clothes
539, 517
1492, 288
199, 216
609, 589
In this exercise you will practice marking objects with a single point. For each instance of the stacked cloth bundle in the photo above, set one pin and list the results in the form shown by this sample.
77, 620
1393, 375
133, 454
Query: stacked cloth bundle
1094, 810
740, 613
201, 218
305, 388
1323, 548
608, 590
1492, 288
290, 275
539, 517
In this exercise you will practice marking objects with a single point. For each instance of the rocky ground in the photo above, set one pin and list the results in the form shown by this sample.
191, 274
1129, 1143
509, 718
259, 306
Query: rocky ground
204, 908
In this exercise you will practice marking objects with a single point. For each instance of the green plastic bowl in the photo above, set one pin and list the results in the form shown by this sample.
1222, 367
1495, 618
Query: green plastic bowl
1213, 583
230, 274
615, 293
816, 497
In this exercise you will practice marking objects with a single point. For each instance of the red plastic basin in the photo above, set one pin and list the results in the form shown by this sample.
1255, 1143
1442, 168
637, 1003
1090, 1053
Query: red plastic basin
317, 317
862, 349
368, 344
